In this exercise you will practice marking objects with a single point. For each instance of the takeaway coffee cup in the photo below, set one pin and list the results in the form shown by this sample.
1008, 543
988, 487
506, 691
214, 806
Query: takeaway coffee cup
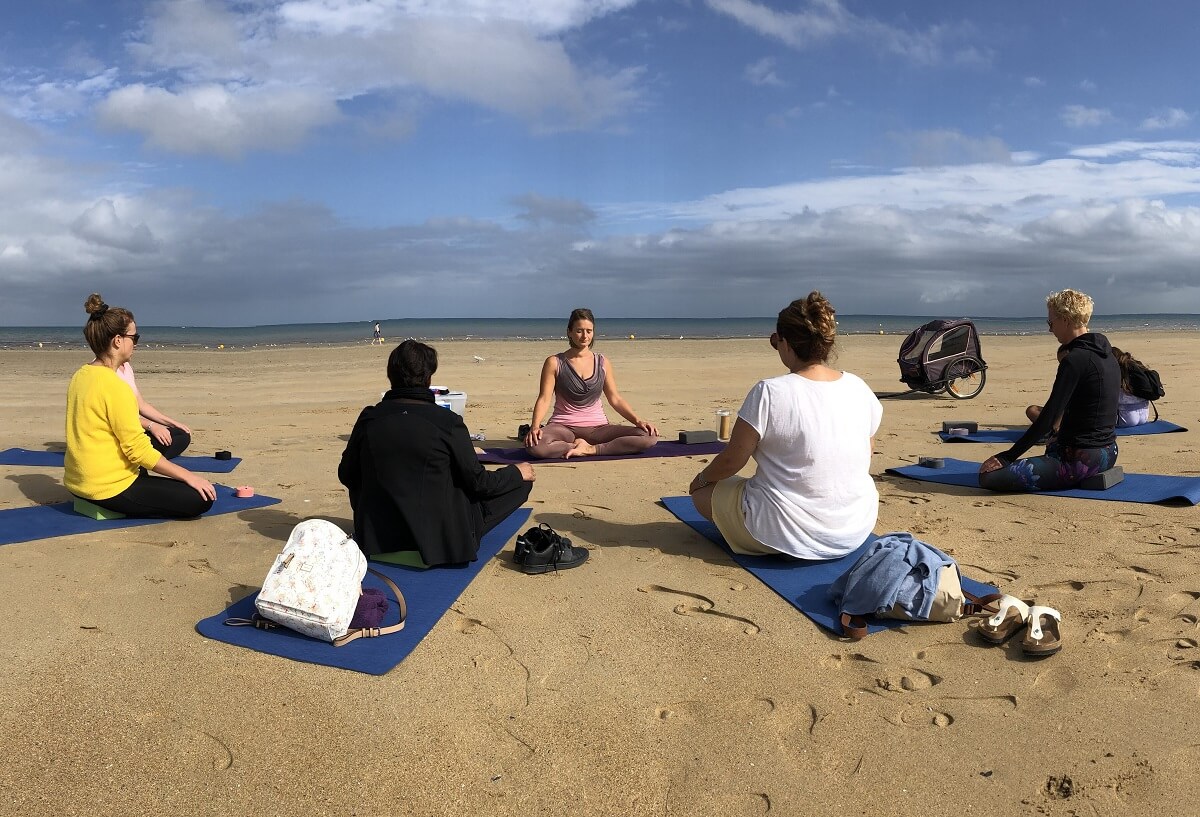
724, 424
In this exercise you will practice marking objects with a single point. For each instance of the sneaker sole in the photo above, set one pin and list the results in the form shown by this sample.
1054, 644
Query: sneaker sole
538, 569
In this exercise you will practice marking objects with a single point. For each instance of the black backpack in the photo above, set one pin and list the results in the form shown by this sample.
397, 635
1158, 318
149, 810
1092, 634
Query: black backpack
1143, 382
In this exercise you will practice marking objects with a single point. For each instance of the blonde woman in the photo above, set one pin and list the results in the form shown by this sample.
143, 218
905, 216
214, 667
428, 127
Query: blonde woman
1084, 396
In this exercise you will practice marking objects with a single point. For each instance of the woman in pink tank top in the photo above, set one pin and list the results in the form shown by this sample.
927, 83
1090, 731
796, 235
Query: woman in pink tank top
574, 381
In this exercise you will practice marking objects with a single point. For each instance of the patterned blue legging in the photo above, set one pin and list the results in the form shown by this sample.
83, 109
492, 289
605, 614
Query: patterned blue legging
1056, 470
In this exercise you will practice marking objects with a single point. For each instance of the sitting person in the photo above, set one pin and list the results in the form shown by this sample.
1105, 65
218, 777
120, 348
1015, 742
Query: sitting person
1131, 409
108, 453
414, 478
575, 379
169, 437
811, 433
1084, 402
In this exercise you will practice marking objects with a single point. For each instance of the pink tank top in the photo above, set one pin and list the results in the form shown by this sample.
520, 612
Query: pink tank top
577, 401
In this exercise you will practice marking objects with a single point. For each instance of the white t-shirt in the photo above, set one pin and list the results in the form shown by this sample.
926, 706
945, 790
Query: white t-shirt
813, 496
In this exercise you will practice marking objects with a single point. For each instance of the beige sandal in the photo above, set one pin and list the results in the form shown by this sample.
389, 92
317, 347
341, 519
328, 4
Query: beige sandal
1045, 632
1008, 621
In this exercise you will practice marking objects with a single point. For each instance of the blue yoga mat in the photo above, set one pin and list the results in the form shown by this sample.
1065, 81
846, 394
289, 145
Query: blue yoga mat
506, 456
429, 594
45, 521
54, 459
1148, 488
803, 584
1008, 436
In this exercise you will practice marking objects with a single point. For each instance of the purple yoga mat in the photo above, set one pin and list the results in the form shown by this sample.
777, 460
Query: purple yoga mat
507, 456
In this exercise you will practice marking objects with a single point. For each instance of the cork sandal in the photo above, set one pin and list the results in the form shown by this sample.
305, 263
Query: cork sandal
1009, 620
1045, 632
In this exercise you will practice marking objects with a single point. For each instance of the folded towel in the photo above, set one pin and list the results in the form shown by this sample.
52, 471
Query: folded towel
371, 607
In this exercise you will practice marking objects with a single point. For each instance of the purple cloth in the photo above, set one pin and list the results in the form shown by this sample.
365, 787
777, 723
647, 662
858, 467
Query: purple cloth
371, 607
505, 456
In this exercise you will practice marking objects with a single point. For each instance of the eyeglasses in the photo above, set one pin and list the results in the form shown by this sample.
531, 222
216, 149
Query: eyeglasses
1049, 323
135, 337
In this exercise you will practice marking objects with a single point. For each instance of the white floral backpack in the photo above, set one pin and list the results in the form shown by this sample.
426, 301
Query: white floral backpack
314, 586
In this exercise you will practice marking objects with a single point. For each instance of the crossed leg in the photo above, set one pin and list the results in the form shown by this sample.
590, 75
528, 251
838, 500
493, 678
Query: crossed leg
559, 441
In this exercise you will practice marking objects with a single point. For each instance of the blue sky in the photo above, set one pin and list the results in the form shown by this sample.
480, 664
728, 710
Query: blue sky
213, 162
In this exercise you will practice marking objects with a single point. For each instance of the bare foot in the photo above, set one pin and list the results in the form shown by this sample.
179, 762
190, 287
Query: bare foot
479, 450
581, 448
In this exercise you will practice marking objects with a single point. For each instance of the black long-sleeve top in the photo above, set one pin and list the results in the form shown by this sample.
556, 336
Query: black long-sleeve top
1085, 395
415, 482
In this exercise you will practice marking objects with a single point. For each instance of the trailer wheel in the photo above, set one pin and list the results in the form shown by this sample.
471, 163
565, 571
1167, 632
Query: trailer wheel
965, 378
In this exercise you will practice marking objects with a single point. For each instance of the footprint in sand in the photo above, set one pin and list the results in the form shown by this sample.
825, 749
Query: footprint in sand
746, 711
838, 660
906, 679
701, 605
944, 712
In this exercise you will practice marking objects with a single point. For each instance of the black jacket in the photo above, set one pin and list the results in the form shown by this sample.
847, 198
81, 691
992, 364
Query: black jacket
415, 482
1085, 395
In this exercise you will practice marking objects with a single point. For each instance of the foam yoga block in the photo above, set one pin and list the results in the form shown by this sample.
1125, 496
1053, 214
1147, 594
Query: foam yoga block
85, 508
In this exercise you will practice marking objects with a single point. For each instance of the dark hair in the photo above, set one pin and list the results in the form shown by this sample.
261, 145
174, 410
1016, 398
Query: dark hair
411, 364
581, 314
104, 323
808, 326
1123, 360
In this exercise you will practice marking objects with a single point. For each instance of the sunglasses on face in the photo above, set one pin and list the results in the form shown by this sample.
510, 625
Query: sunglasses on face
135, 337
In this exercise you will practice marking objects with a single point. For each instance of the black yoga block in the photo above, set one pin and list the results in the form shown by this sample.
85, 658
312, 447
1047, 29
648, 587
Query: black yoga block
971, 426
223, 455
932, 462
1104, 480
693, 437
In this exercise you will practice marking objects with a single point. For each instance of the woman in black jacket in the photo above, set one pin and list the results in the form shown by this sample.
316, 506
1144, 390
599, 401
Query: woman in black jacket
1085, 397
414, 478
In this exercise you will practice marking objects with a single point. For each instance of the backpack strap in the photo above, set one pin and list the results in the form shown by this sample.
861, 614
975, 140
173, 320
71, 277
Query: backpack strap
375, 632
854, 627
1155, 407
979, 605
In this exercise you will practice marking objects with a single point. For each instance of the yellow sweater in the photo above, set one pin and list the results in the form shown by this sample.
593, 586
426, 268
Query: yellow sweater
105, 440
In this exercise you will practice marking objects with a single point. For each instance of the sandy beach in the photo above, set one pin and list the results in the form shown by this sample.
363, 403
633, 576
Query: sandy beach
658, 679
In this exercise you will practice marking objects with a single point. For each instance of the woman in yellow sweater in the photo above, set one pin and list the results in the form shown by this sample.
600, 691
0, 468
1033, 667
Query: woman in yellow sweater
108, 453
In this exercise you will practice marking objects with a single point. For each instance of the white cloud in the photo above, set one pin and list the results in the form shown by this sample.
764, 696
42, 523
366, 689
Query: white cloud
762, 72
1081, 116
260, 76
1106, 218
100, 224
1088, 86
1166, 119
950, 147
543, 16
213, 119
1034, 82
826, 20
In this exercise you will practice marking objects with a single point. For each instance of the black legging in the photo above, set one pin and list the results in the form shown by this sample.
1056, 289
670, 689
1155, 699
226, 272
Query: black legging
180, 440
157, 498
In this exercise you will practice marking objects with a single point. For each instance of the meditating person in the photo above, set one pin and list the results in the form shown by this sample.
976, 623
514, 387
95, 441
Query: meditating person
1131, 409
108, 453
574, 381
1084, 401
811, 432
168, 436
415, 482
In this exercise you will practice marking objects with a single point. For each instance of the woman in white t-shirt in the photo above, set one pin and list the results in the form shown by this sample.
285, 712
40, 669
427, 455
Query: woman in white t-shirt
810, 432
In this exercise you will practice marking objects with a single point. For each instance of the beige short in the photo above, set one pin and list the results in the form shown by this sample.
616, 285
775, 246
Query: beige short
727, 513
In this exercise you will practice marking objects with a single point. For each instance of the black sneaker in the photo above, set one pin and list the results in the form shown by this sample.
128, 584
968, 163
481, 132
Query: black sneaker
541, 549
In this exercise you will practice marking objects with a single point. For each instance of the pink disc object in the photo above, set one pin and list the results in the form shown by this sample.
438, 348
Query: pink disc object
243, 492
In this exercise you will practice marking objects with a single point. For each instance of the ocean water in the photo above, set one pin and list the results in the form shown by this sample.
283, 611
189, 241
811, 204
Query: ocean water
515, 329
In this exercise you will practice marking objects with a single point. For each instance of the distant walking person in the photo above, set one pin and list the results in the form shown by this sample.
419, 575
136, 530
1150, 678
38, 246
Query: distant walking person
377, 335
